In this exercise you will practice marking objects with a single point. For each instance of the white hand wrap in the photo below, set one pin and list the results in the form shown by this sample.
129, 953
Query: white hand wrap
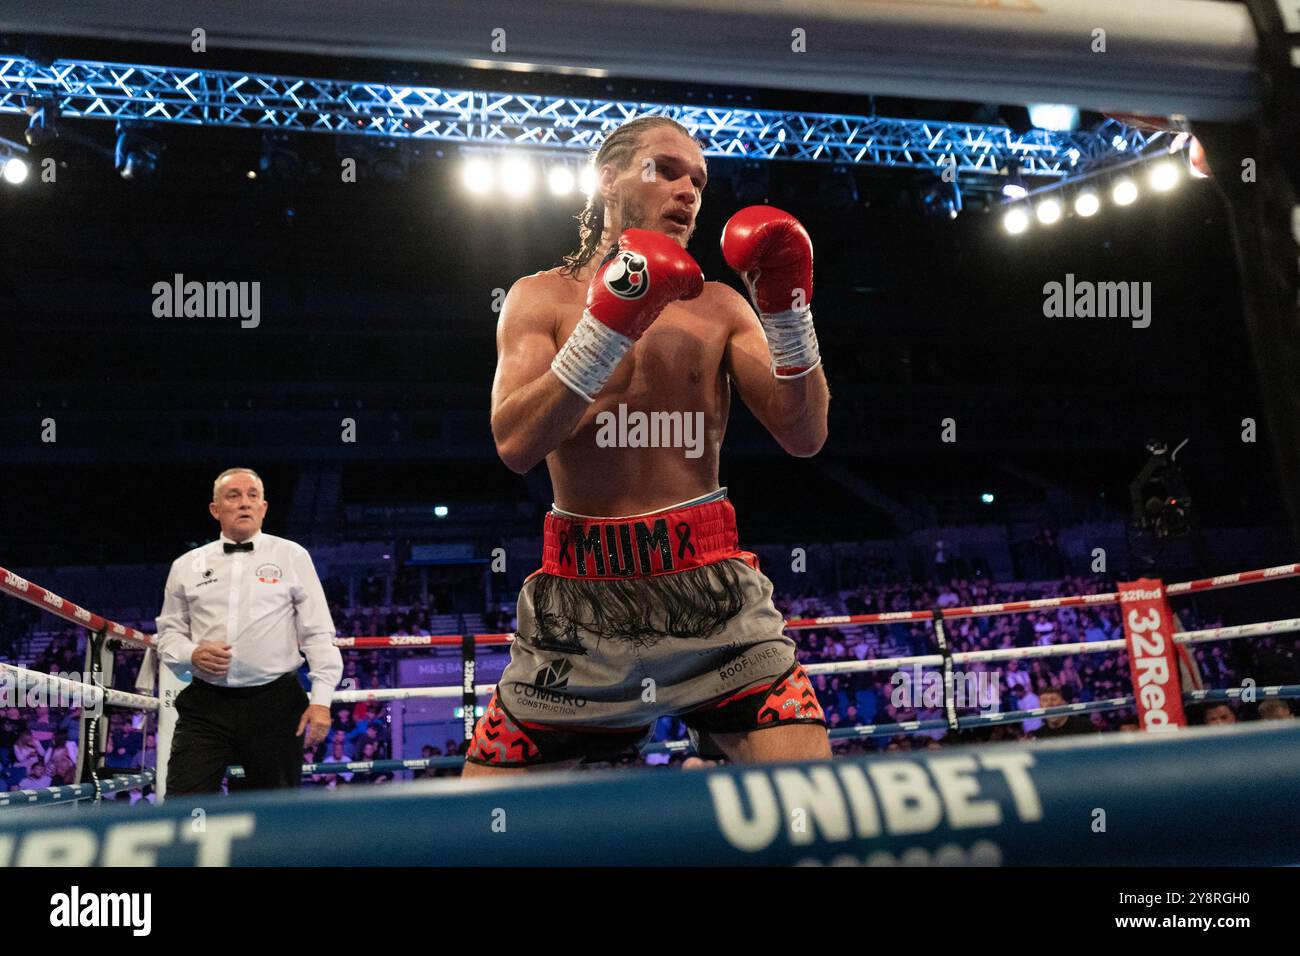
589, 356
792, 341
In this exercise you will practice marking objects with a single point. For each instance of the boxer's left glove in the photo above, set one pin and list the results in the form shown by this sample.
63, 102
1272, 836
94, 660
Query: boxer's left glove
773, 255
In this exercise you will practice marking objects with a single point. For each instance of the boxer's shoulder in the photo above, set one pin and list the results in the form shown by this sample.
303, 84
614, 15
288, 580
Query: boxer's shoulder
721, 295
721, 301
560, 282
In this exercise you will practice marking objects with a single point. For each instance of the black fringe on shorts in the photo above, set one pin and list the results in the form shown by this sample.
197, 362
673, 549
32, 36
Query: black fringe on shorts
642, 611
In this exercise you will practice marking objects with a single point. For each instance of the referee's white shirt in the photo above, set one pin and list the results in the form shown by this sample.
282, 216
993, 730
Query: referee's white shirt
267, 604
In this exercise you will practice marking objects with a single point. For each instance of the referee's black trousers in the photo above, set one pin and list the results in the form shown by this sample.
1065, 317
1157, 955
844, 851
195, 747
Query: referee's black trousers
250, 726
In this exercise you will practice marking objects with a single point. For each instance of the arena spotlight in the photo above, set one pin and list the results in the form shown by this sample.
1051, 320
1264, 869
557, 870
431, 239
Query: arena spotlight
938, 199
40, 127
440, 511
1015, 187
1057, 117
15, 170
560, 180
517, 176
1086, 203
1163, 176
1124, 192
587, 181
1015, 221
138, 156
1048, 211
477, 176
987, 498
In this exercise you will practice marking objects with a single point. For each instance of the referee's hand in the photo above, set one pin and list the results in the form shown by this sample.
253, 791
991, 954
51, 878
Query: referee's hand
316, 721
212, 658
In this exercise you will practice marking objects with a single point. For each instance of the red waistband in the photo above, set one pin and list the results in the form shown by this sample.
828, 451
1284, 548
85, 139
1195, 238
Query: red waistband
660, 543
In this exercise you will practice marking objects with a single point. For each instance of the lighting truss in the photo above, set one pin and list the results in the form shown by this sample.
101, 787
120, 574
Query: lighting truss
560, 124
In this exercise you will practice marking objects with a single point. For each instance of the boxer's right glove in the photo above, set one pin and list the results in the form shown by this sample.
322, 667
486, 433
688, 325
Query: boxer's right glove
642, 273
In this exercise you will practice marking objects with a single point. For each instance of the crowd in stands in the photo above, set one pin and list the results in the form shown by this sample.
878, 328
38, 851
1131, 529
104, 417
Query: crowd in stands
888, 697
38, 747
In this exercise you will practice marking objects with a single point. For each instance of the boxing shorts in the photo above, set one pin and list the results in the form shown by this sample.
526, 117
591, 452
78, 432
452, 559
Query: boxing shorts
632, 619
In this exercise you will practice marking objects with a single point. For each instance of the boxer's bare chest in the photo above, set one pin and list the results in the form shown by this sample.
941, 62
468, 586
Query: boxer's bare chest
673, 376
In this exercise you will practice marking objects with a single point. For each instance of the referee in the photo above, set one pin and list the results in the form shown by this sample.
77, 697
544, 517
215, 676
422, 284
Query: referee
242, 612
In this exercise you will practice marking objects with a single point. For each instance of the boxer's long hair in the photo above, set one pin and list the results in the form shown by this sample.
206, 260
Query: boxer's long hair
618, 149
638, 611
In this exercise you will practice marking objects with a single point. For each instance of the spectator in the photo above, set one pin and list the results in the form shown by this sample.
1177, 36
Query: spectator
36, 777
337, 754
1275, 709
59, 743
27, 751
1014, 677
373, 738
62, 769
343, 721
1028, 701
8, 732
1044, 628
1220, 714
1062, 726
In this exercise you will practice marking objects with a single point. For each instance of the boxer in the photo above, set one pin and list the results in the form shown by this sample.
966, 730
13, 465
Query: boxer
645, 604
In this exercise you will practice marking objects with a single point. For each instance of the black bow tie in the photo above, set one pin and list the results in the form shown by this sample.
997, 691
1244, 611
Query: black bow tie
228, 547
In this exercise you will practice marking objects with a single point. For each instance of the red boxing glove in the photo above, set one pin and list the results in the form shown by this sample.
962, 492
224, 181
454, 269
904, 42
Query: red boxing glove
639, 276
642, 273
773, 255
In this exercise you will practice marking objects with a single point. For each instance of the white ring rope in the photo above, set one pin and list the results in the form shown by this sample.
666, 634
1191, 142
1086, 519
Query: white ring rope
88, 692
1284, 626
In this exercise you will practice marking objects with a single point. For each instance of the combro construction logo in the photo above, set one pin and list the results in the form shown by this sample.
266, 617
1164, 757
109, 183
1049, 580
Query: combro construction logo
546, 692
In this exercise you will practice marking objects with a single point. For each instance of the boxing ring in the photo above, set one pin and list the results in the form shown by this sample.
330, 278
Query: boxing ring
1075, 800
1209, 797
1216, 796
